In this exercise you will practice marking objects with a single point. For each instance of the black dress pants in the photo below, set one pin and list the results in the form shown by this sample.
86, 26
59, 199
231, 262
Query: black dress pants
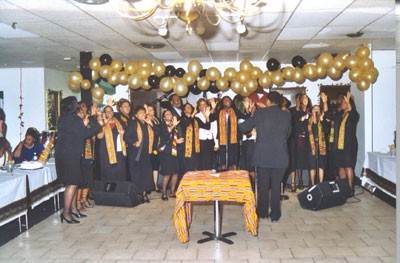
269, 178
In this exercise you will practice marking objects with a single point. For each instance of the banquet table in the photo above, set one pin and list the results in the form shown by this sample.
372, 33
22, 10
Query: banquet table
13, 198
200, 186
379, 170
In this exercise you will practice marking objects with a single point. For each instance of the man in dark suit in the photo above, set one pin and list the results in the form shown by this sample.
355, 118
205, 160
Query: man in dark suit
270, 156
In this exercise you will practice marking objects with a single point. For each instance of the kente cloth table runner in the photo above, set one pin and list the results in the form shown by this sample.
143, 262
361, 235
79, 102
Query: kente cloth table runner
200, 186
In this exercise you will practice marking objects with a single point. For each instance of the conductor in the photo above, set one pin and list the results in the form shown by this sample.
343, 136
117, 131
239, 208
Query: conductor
270, 156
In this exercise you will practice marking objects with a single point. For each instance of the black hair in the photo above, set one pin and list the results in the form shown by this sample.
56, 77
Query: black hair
69, 105
2, 115
121, 102
34, 133
4, 144
138, 108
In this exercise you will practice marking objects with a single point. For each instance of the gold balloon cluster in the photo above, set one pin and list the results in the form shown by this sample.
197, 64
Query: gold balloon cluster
138, 73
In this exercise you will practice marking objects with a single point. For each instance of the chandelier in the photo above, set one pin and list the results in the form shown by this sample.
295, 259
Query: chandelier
214, 11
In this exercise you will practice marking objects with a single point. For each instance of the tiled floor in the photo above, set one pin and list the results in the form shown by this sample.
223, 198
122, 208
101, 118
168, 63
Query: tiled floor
355, 232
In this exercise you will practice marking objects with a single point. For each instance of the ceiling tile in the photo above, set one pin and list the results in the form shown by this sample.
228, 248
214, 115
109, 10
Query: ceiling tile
323, 4
312, 18
337, 32
298, 33
364, 16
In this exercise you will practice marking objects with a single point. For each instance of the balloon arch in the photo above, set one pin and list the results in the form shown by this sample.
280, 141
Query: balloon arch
146, 75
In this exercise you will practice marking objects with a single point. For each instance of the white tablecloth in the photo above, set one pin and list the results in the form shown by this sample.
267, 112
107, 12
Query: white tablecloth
12, 188
37, 178
382, 164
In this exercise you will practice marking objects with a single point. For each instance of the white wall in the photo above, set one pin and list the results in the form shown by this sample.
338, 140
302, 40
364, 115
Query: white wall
33, 103
57, 80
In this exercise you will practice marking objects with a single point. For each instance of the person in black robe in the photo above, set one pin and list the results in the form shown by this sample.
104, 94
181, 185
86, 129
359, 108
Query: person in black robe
168, 152
123, 113
138, 138
155, 160
112, 152
346, 144
71, 134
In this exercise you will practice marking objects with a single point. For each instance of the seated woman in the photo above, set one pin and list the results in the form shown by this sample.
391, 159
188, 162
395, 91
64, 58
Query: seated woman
30, 148
5, 152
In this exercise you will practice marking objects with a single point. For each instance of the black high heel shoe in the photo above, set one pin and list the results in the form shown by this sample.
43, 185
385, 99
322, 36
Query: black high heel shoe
164, 198
78, 214
72, 221
293, 188
146, 198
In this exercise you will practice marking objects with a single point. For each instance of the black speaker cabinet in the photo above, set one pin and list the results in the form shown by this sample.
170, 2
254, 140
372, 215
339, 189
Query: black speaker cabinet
116, 193
325, 195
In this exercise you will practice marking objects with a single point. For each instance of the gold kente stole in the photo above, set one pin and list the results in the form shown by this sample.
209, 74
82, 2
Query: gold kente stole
222, 127
321, 137
124, 119
140, 136
112, 157
88, 154
189, 139
342, 131
332, 132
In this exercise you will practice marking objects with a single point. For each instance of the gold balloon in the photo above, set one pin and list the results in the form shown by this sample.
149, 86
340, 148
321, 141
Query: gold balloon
352, 62
134, 82
325, 59
113, 78
222, 84
230, 74
189, 78
144, 73
321, 72
166, 84
158, 68
74, 87
339, 63
363, 51
288, 73
98, 93
363, 85
310, 72
264, 80
252, 85
365, 63
131, 67
277, 77
94, 64
180, 89
104, 71
85, 84
144, 63
95, 75
255, 72
298, 75
245, 66
123, 78
242, 76
236, 86
203, 83
213, 74
194, 67
245, 91
146, 85
75, 78
355, 74
98, 102
333, 73
116, 65
370, 76
343, 54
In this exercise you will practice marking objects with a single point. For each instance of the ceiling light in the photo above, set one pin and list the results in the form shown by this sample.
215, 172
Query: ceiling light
240, 28
200, 28
67, 59
152, 45
191, 10
92, 2
315, 45
355, 35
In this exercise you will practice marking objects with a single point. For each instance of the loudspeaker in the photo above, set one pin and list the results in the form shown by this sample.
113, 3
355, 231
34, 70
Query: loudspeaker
325, 195
116, 193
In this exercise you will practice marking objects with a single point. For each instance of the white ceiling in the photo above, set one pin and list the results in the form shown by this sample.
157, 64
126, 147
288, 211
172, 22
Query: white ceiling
64, 28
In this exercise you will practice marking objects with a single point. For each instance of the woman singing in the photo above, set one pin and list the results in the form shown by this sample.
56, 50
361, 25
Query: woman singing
71, 134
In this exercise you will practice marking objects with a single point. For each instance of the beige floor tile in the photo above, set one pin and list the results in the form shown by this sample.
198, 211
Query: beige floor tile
313, 242
291, 243
150, 254
363, 260
330, 260
307, 252
279, 253
370, 252
89, 254
298, 260
388, 259
338, 252
27, 253
182, 254
118, 254
216, 254
252, 253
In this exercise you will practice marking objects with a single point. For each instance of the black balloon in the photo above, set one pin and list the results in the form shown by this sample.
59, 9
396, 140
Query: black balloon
298, 61
273, 64
153, 81
194, 89
105, 59
170, 70
180, 72
213, 87
203, 73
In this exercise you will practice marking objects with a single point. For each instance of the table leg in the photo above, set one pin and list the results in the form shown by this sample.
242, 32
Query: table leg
217, 228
